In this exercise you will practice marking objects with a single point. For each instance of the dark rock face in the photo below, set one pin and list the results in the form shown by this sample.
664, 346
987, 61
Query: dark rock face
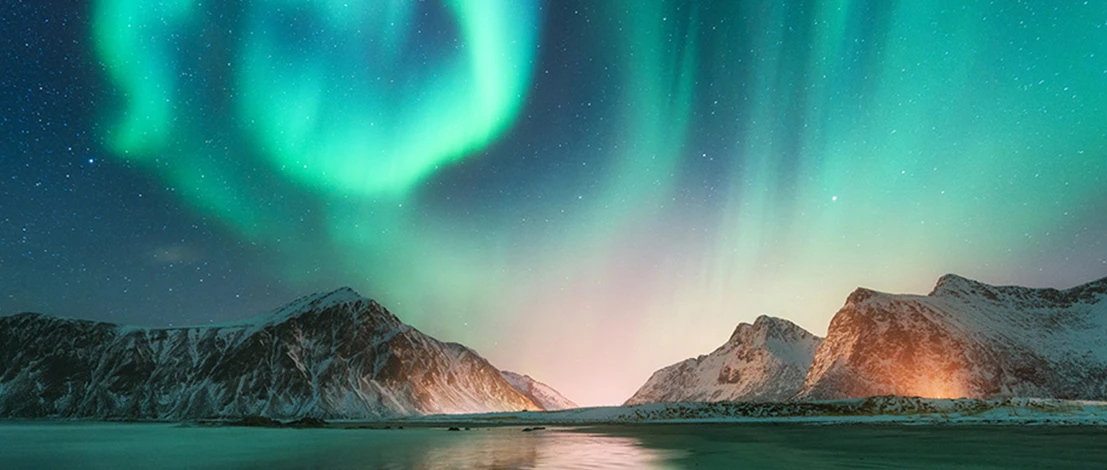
763, 362
335, 355
966, 339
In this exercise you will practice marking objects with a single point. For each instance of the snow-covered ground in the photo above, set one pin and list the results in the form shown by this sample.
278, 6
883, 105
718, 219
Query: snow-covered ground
889, 409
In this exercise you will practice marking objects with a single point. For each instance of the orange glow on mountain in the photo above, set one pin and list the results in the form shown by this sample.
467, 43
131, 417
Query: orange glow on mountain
936, 384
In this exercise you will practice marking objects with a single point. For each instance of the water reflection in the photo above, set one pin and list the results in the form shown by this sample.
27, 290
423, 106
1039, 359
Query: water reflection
585, 450
111, 446
509, 448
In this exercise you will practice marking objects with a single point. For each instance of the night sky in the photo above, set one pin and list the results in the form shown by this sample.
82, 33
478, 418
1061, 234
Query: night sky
582, 191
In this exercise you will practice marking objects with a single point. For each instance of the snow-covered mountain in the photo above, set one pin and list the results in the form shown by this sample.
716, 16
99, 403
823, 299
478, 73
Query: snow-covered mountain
541, 394
332, 355
966, 339
763, 362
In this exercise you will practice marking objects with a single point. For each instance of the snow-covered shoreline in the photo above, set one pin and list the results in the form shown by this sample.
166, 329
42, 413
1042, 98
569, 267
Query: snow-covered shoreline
875, 410
890, 410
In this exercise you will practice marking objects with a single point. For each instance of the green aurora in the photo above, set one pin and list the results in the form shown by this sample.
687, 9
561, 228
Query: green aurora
623, 181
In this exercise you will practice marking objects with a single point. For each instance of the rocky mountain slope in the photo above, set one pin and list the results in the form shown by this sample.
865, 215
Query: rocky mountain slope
333, 355
763, 362
541, 394
966, 339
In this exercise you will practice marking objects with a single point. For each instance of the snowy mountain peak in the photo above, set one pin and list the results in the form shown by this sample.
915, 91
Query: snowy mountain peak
952, 284
332, 355
767, 320
363, 308
344, 291
765, 361
338, 296
766, 328
860, 296
966, 339
958, 288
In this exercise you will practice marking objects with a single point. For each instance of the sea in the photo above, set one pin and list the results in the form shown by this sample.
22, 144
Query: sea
97, 445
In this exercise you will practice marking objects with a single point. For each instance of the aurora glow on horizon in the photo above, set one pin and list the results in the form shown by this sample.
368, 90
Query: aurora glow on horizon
581, 191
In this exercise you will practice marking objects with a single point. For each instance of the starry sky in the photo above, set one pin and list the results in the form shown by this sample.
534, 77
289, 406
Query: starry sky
584, 191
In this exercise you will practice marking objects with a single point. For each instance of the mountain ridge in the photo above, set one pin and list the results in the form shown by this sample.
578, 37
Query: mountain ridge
332, 354
541, 394
760, 362
966, 338
336, 354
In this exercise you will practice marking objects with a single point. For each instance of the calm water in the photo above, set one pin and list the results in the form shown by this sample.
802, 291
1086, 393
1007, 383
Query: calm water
94, 446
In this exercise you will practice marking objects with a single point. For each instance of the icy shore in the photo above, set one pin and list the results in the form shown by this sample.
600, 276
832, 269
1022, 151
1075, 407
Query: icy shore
874, 410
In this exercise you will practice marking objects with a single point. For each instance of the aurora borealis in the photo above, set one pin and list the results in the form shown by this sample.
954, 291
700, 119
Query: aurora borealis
582, 191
